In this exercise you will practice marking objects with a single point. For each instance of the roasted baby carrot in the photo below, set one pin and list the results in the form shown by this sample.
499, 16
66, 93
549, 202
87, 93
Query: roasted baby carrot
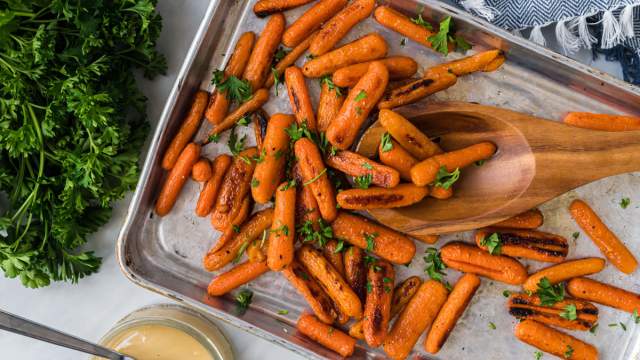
236, 277
392, 154
603, 122
220, 256
339, 25
524, 306
529, 219
268, 7
355, 271
306, 205
225, 237
591, 290
257, 249
440, 193
564, 271
243, 214
554, 342
218, 101
451, 311
378, 239
414, 319
399, 23
332, 250
258, 99
377, 309
608, 243
314, 175
311, 20
299, 97
273, 156
327, 336
188, 128
317, 299
259, 63
361, 100
409, 93
283, 229
410, 138
331, 281
201, 170
400, 67
470, 259
381, 198
524, 243
288, 60
331, 101
354, 164
426, 171
176, 178
235, 187
427, 239
209, 192
469, 64
260, 120
367, 48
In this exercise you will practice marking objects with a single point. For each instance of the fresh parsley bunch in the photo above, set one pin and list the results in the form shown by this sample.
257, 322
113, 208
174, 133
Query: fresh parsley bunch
72, 124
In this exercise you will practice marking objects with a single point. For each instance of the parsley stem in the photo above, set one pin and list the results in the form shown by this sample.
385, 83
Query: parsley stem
315, 178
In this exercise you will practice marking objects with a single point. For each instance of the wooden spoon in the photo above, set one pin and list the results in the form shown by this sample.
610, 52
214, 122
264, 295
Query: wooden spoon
537, 160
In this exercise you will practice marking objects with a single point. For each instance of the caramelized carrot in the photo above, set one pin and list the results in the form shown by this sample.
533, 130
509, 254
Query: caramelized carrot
333, 252
367, 48
564, 271
361, 99
398, 158
381, 198
426, 171
189, 126
242, 214
414, 319
269, 7
280, 251
469, 64
608, 243
260, 120
331, 101
451, 311
326, 335
257, 249
314, 175
225, 237
408, 136
524, 243
378, 239
259, 98
288, 60
377, 310
176, 178
529, 219
201, 170
440, 193
602, 122
299, 97
400, 67
339, 25
317, 299
591, 290
399, 23
553, 341
354, 164
259, 63
429, 84
311, 20
236, 277
355, 271
306, 204
524, 306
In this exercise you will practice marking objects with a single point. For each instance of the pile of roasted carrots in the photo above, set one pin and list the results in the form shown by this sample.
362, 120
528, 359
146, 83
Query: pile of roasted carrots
343, 265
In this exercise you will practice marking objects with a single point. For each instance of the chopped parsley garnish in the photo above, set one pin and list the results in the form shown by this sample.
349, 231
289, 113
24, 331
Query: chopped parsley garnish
387, 289
575, 235
364, 181
236, 228
244, 121
214, 138
277, 80
283, 312
284, 229
309, 234
369, 287
440, 41
361, 96
260, 158
241, 251
569, 352
418, 20
434, 265
385, 142
593, 329
243, 300
386, 280
367, 166
493, 244
255, 183
280, 54
315, 177
291, 183
370, 238
538, 355
326, 79
569, 312
235, 89
369, 260
623, 326
339, 246
506, 293
235, 145
635, 317
492, 326
480, 162
624, 203
549, 294
445, 179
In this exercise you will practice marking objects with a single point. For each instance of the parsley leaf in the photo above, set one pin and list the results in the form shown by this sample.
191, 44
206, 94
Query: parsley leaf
277, 79
506, 293
569, 352
244, 121
284, 229
569, 312
291, 183
635, 317
492, 326
385, 142
280, 54
440, 41
593, 329
493, 244
367, 166
235, 145
538, 355
369, 287
418, 20
326, 79
361, 96
575, 235
624, 203
214, 138
236, 90
339, 246
445, 179
364, 181
549, 294
315, 177
308, 233
434, 265
243, 300
255, 183
283, 312
370, 238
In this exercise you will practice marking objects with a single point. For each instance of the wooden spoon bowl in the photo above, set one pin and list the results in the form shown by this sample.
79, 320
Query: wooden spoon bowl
537, 160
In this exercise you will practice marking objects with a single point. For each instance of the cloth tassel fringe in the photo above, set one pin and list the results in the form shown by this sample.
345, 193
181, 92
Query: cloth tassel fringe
480, 8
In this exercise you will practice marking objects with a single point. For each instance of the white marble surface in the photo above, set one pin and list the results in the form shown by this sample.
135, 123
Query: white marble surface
89, 309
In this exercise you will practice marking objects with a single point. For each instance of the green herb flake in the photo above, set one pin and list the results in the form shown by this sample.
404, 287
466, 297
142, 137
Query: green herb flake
236, 90
315, 177
387, 289
569, 312
575, 235
326, 79
549, 294
236, 145
569, 352
480, 162
612, 325
236, 228
361, 96
243, 300
364, 181
434, 265
369, 287
418, 20
593, 329
625, 202
635, 317
255, 183
538, 355
291, 183
445, 179
284, 229
493, 243
369, 260
370, 238
385, 142
506, 293
214, 138
241, 251
283, 312
277, 80
440, 41
307, 232
403, 42
623, 326
367, 166
339, 246
244, 121
492, 326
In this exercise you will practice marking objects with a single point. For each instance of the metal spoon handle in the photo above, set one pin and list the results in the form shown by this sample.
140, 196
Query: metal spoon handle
22, 326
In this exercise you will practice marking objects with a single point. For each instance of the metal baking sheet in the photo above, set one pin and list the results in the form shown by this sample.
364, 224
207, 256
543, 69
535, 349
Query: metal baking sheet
165, 254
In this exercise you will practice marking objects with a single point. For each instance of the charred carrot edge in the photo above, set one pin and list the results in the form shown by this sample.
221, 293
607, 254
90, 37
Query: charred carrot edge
440, 193
176, 178
553, 341
608, 243
470, 259
388, 244
427, 239
564, 271
377, 310
218, 101
398, 158
339, 25
201, 170
523, 306
400, 67
220, 256
425, 172
317, 299
359, 102
591, 290
259, 63
288, 60
451, 311
188, 128
210, 190
602, 122
236, 277
280, 251
399, 23
299, 97
529, 244
369, 47
260, 120
259, 98
265, 8
355, 271
235, 186
417, 316
311, 20
327, 336
381, 198
529, 219
410, 138
306, 204
270, 170
469, 64
354, 164
331, 281
429, 84
314, 175
328, 106
334, 256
